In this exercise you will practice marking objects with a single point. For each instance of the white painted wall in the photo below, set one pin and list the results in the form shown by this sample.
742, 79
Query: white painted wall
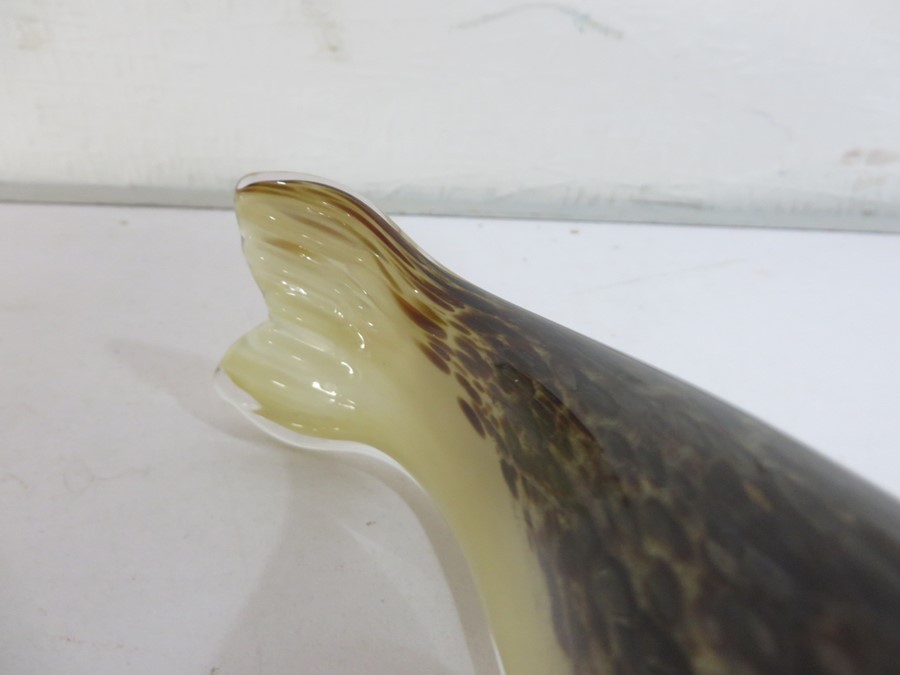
772, 112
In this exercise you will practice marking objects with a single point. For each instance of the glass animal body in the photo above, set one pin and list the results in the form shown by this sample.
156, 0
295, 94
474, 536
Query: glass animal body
616, 519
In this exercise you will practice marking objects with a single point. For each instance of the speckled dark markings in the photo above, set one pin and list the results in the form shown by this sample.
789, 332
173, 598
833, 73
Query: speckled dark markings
676, 534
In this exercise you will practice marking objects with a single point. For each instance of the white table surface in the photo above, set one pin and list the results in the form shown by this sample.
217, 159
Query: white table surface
147, 528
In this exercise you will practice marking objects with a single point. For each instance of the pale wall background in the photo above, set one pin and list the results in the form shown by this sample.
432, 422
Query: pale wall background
772, 112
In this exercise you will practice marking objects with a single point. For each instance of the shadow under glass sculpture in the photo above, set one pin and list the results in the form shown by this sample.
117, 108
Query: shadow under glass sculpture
616, 519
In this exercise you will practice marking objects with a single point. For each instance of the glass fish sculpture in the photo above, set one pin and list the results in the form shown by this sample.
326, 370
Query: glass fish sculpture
616, 519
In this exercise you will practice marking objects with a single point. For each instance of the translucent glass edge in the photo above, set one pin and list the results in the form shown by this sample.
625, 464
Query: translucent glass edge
259, 177
249, 408
299, 177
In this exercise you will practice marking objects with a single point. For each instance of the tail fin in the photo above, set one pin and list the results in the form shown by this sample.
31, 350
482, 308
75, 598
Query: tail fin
338, 278
370, 341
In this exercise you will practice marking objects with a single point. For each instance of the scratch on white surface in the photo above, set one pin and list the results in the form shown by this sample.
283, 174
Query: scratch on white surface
104, 646
773, 122
650, 277
78, 476
14, 479
582, 20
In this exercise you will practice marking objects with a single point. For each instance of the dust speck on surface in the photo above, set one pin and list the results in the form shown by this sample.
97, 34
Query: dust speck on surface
872, 157
330, 33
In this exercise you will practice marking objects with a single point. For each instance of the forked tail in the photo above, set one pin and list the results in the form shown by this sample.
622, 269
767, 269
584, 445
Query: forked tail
370, 341
346, 291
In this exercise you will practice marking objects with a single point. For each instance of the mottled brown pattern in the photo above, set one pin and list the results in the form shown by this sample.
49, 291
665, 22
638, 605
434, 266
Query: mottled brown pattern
676, 534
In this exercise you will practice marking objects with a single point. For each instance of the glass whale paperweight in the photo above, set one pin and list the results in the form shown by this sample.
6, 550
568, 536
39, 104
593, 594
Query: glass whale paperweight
615, 519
